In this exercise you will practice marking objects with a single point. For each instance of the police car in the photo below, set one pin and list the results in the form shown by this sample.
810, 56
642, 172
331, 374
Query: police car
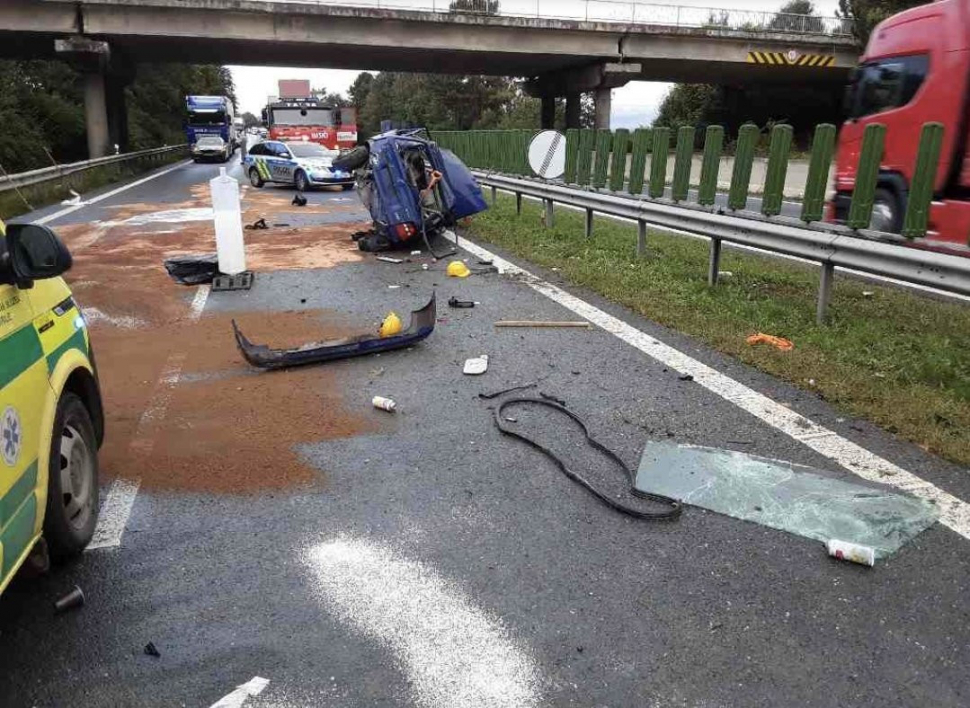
51, 419
303, 165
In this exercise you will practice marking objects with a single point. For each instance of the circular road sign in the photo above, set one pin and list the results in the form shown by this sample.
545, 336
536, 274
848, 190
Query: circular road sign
547, 154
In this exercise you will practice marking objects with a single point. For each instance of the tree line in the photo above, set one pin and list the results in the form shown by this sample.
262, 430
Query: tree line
42, 108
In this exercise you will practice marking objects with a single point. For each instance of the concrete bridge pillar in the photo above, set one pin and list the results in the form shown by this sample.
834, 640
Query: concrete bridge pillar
548, 116
604, 104
90, 57
573, 110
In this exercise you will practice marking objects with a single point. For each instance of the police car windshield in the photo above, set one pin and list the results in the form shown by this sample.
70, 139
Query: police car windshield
308, 150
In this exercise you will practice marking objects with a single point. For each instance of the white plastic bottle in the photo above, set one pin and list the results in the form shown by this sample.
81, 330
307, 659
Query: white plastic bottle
228, 221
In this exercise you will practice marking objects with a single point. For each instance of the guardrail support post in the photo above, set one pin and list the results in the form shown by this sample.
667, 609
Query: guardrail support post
714, 265
824, 291
494, 195
588, 221
549, 213
518, 203
641, 238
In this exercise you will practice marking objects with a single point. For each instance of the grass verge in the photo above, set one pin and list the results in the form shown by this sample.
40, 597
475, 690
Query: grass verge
898, 359
44, 193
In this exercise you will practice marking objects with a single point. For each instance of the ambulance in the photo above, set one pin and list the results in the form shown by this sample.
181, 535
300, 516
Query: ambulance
51, 415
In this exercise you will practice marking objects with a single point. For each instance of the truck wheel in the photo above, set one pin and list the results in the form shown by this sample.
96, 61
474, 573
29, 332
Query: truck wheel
352, 159
301, 182
254, 178
887, 212
72, 485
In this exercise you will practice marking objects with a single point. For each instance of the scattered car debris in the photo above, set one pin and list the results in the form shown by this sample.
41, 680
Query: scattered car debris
457, 269
852, 552
75, 200
496, 394
384, 404
867, 293
484, 262
388, 259
152, 650
299, 200
554, 399
239, 281
415, 253
455, 302
70, 601
542, 323
259, 224
780, 343
782, 495
390, 326
476, 365
674, 507
686, 377
192, 270
420, 327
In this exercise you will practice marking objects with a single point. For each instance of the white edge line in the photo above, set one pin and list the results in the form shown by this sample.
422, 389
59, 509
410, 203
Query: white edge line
106, 195
238, 697
121, 496
954, 512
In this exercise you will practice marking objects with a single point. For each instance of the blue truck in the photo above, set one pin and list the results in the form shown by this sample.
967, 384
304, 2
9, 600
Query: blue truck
210, 128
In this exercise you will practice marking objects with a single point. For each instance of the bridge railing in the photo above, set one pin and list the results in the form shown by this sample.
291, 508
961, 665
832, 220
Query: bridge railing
639, 163
641, 13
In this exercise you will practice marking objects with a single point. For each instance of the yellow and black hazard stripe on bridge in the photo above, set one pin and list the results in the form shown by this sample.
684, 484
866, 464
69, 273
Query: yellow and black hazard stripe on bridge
792, 59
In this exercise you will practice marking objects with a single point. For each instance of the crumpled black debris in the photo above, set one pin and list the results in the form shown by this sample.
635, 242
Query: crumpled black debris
193, 270
299, 200
258, 224
151, 650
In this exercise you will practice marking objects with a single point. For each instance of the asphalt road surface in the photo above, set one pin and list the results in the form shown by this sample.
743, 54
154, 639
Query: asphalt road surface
276, 526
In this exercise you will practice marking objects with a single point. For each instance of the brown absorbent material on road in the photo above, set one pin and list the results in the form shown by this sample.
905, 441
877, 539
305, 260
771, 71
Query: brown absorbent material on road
225, 428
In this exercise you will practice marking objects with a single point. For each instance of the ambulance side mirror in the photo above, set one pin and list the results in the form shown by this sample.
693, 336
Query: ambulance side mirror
34, 253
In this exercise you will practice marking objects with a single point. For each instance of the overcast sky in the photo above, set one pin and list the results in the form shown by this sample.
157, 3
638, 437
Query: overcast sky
634, 105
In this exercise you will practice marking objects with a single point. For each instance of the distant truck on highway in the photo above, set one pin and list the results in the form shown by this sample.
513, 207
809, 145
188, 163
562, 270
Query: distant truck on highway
211, 117
916, 69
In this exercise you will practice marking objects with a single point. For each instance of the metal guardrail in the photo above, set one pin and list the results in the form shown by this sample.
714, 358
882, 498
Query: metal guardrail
639, 13
47, 174
830, 246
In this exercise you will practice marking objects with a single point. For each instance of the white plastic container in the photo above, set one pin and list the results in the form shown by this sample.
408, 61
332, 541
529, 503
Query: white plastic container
384, 404
228, 222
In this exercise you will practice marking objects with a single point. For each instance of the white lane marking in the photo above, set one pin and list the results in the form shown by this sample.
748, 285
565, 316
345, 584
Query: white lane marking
237, 698
114, 514
107, 195
121, 496
954, 512
454, 654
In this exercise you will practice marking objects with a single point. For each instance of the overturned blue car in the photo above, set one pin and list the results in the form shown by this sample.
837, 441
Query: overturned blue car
413, 189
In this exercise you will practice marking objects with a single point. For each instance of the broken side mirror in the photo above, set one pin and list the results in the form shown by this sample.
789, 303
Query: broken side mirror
34, 253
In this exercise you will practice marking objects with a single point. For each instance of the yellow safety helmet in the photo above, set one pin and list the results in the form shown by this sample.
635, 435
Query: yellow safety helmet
390, 326
457, 269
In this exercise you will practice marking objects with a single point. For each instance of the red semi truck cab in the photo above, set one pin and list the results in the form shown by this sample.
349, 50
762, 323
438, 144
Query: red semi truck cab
916, 69
294, 119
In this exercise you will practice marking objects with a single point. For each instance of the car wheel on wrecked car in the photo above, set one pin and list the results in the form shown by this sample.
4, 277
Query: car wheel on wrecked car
254, 178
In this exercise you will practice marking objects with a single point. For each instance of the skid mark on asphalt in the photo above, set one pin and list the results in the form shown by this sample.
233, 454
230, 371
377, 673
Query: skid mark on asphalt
954, 512
454, 654
121, 496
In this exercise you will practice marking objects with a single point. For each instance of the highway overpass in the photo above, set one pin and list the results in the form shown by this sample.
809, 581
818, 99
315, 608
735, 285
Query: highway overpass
561, 57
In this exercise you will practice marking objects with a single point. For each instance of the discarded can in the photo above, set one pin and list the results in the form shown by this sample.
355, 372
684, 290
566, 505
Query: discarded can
73, 599
385, 404
853, 552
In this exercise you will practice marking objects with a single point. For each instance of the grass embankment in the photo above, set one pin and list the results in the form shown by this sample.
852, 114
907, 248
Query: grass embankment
44, 193
898, 359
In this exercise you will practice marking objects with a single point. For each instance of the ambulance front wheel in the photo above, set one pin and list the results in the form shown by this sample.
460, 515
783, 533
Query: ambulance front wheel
254, 178
72, 480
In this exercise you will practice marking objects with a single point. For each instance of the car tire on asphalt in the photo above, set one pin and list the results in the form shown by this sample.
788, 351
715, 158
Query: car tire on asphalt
254, 178
352, 159
301, 182
72, 483
887, 212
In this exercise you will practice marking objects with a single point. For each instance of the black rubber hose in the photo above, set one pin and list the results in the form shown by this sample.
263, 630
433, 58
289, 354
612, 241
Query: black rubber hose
669, 515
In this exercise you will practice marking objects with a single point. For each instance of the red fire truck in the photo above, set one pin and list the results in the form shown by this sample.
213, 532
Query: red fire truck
916, 69
308, 119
